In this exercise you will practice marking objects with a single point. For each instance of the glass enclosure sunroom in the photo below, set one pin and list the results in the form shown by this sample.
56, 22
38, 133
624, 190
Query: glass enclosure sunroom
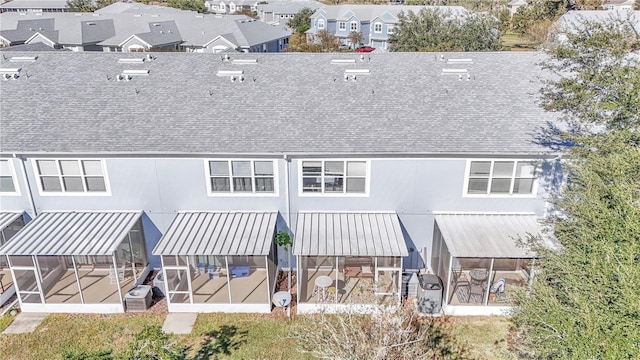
480, 262
347, 259
219, 262
10, 224
77, 262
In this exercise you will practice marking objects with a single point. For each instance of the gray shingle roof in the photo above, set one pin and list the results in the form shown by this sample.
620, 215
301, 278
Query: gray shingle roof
35, 4
290, 102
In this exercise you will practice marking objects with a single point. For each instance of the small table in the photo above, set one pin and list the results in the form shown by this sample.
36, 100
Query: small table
479, 275
323, 282
281, 298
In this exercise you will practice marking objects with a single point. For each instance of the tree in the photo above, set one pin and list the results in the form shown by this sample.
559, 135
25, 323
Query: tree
437, 30
388, 333
193, 5
301, 21
355, 38
81, 6
327, 41
584, 302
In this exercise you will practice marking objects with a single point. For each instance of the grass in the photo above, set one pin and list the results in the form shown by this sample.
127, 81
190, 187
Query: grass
513, 42
485, 337
5, 321
239, 336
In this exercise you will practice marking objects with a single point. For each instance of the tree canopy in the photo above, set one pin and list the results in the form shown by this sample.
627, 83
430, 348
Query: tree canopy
193, 5
584, 303
301, 21
437, 30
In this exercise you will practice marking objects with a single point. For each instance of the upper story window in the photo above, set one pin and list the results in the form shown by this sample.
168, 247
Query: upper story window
71, 176
353, 26
389, 29
377, 27
241, 176
342, 26
500, 177
334, 176
320, 23
7, 182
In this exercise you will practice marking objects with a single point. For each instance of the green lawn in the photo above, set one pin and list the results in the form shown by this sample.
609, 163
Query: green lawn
239, 336
513, 42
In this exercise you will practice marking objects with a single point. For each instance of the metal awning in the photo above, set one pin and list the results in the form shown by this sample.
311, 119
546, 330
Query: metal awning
349, 234
72, 233
487, 235
219, 233
7, 218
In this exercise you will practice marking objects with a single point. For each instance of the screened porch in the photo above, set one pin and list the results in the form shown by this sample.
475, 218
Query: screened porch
480, 261
77, 261
219, 261
348, 258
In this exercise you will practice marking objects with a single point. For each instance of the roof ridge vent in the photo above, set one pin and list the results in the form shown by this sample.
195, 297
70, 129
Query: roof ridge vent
245, 61
135, 72
343, 61
357, 71
131, 60
230, 72
10, 70
454, 71
23, 58
459, 61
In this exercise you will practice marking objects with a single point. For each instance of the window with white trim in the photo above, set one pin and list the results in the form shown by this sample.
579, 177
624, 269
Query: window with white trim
320, 24
241, 176
342, 26
377, 27
389, 29
72, 176
500, 177
7, 182
334, 176
353, 26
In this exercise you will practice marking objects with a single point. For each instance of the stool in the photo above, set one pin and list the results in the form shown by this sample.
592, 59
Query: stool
201, 267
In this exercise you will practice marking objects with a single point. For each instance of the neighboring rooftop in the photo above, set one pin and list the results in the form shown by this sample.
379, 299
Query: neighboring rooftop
396, 103
31, 5
113, 25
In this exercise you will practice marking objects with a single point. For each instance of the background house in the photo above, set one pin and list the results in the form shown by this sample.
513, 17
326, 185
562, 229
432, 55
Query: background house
618, 4
33, 6
374, 22
367, 163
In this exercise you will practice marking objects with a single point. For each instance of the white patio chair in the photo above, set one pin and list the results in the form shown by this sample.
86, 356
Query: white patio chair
116, 274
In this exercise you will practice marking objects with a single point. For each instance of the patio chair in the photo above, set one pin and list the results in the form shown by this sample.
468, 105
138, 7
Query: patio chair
477, 292
366, 271
460, 280
116, 274
332, 292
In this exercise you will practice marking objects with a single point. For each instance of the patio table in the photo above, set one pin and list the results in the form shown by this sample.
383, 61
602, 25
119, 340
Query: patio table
323, 282
478, 276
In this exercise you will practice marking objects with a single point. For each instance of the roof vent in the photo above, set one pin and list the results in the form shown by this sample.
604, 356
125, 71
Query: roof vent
230, 72
343, 61
154, 15
135, 72
131, 61
122, 77
23, 58
357, 72
137, 15
13, 76
459, 61
10, 70
91, 23
78, 14
157, 24
199, 16
245, 61
454, 71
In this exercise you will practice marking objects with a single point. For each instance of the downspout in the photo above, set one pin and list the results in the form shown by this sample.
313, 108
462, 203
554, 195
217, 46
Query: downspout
23, 170
288, 210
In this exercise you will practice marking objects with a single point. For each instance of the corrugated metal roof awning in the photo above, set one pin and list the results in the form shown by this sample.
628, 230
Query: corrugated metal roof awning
72, 233
6, 218
349, 234
487, 235
219, 233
